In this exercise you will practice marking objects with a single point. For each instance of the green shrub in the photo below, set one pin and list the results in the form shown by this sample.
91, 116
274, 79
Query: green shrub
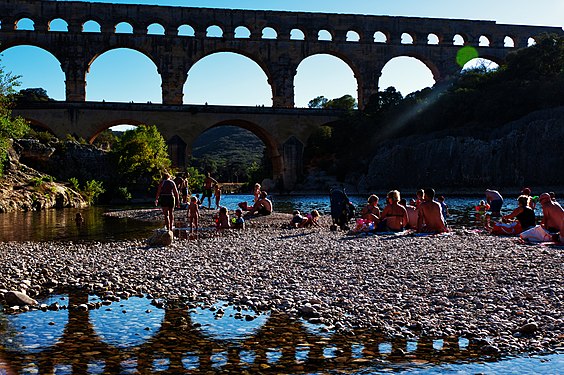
92, 190
74, 183
123, 193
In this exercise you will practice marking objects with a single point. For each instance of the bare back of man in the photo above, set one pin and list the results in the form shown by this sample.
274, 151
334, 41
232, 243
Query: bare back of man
430, 218
553, 214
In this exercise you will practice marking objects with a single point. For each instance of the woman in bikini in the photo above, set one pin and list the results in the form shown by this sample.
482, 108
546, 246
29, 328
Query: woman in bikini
371, 211
394, 215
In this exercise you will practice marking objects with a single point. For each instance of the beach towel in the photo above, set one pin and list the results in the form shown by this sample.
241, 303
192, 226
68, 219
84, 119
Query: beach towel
536, 234
508, 229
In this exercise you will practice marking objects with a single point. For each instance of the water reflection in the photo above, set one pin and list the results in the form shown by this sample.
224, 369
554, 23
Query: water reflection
60, 225
36, 329
137, 319
178, 340
224, 322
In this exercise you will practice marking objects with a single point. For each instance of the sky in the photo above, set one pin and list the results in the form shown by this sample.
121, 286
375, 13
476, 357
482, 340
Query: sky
231, 79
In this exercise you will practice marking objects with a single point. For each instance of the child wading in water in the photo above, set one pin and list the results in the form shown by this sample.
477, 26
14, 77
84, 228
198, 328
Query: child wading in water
193, 214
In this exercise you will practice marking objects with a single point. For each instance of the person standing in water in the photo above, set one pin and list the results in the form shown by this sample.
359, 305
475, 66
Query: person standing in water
209, 183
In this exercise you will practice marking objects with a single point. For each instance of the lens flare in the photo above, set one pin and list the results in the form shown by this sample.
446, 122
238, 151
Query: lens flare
466, 54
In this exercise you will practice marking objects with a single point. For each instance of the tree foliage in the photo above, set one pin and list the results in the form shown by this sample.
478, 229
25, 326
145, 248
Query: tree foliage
345, 102
141, 153
32, 95
10, 127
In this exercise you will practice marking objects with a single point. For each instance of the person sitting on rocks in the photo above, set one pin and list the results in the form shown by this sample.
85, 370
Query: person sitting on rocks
223, 219
430, 218
394, 216
371, 211
553, 216
412, 214
298, 220
238, 220
262, 207
522, 218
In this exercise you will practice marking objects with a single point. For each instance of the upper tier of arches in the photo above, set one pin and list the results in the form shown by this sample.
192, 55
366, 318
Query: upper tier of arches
80, 17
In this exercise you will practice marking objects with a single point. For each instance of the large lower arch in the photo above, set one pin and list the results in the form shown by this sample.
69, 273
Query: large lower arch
415, 74
324, 74
234, 76
123, 75
273, 149
21, 60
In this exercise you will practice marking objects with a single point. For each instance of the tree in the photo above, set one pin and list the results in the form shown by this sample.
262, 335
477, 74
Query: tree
141, 153
33, 95
384, 100
346, 102
9, 127
318, 102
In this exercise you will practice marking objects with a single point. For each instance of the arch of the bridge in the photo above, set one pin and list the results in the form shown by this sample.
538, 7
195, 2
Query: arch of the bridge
278, 57
273, 146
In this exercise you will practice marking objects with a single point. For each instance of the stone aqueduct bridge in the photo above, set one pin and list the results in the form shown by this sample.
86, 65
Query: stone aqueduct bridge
284, 131
277, 42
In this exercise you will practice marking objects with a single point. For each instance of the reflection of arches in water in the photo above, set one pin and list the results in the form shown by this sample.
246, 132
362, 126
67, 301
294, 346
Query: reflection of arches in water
51, 324
227, 327
281, 344
126, 327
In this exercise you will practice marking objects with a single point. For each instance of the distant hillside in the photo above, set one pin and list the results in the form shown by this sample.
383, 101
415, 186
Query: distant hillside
229, 151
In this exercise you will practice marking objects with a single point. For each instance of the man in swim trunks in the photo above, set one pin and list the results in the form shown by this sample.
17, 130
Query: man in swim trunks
209, 183
494, 198
167, 196
430, 214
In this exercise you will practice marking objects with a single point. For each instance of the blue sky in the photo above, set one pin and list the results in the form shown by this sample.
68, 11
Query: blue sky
114, 75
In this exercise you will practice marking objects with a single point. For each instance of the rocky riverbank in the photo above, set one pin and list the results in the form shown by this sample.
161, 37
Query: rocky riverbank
506, 295
25, 189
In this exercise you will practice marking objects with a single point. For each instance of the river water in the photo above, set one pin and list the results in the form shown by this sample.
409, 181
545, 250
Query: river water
132, 336
59, 225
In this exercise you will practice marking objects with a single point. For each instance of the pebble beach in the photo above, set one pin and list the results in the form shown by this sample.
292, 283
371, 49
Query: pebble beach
466, 283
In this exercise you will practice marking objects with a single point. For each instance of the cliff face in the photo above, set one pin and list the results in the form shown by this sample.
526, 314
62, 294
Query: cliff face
65, 159
25, 189
524, 152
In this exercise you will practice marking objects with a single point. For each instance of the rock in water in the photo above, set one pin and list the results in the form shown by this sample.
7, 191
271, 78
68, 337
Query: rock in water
161, 238
14, 298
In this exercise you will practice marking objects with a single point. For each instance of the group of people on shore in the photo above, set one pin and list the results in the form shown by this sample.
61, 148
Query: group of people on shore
522, 220
170, 190
423, 214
